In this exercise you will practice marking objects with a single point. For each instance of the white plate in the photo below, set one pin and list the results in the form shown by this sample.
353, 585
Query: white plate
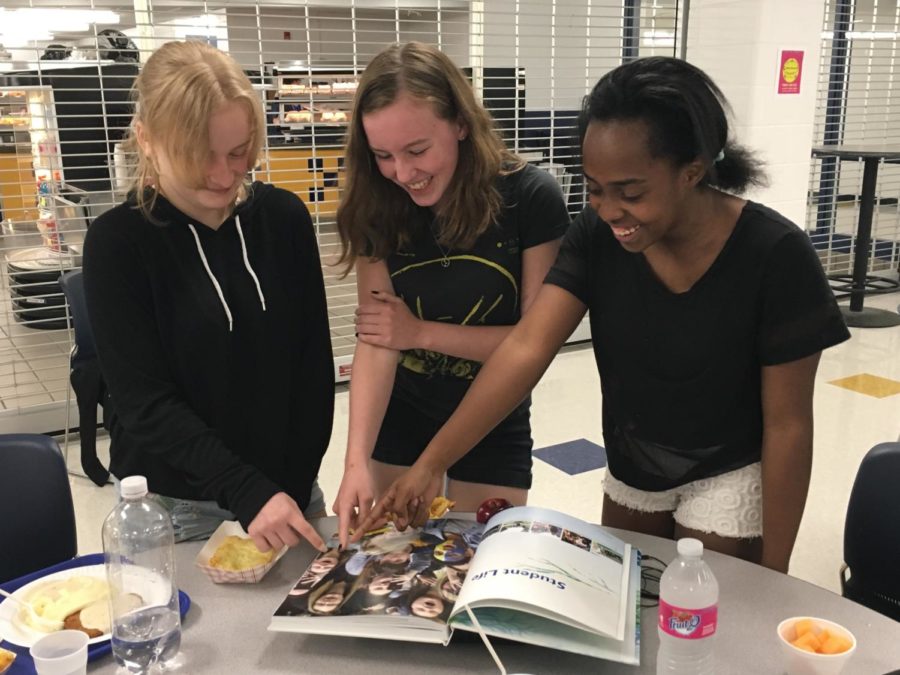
16, 631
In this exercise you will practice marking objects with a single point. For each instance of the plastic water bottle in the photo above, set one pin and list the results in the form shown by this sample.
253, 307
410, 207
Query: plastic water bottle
688, 613
138, 546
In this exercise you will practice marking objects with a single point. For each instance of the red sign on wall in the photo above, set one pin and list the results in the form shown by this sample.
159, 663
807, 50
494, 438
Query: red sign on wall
790, 71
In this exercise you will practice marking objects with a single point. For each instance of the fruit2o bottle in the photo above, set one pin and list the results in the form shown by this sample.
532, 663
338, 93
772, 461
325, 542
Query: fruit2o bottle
688, 613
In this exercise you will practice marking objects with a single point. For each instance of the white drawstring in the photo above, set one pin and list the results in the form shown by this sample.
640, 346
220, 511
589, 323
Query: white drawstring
215, 282
212, 277
262, 298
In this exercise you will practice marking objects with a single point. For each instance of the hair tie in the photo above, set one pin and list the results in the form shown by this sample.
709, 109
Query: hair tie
720, 156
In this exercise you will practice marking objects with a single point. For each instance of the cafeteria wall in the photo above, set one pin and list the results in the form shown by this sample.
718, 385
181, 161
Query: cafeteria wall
738, 43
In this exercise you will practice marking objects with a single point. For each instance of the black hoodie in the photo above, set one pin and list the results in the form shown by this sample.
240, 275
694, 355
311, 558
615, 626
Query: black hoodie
217, 355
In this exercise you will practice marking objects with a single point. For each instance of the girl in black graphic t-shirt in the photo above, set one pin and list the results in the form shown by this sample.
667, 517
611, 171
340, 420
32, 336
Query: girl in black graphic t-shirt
451, 237
708, 316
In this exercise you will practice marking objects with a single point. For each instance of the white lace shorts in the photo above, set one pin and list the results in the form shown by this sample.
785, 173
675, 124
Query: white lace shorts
729, 505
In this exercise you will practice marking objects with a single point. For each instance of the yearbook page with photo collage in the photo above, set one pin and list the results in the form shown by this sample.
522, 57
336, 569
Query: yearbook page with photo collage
531, 575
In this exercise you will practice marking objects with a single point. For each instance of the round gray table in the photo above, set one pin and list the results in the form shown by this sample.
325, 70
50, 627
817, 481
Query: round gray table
226, 628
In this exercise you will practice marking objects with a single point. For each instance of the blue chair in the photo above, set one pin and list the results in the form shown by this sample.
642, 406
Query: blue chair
37, 528
86, 378
872, 533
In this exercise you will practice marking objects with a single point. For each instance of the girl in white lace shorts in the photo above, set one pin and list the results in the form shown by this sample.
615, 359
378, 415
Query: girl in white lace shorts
728, 505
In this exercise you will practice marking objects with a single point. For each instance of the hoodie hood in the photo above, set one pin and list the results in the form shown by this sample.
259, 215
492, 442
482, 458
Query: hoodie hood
255, 197
166, 214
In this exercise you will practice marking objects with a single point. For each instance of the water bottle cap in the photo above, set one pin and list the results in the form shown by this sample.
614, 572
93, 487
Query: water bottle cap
690, 548
133, 487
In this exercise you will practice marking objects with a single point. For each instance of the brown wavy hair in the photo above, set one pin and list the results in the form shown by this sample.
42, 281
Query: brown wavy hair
179, 87
376, 217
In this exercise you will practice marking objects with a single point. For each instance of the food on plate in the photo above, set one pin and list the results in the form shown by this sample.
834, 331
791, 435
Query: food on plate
811, 637
439, 506
490, 507
6, 659
239, 553
56, 600
94, 619
98, 624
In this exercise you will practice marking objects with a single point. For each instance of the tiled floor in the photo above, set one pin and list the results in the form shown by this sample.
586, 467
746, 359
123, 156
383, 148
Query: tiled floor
850, 419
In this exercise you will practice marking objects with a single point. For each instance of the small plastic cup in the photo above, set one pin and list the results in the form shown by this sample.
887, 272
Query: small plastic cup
801, 662
64, 652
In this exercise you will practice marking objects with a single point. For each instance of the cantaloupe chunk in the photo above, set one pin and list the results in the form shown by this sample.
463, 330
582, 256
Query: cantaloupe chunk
835, 644
808, 639
823, 636
804, 647
804, 626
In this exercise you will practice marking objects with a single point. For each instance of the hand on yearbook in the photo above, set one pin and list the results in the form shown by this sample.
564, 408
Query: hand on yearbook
353, 503
407, 500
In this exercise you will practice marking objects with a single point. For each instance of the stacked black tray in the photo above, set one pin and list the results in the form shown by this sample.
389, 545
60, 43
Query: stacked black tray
36, 297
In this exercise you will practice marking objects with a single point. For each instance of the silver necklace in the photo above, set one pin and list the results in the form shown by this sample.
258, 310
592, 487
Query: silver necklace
445, 255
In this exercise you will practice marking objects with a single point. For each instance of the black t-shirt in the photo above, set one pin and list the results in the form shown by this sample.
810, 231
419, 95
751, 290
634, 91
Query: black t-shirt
479, 287
680, 372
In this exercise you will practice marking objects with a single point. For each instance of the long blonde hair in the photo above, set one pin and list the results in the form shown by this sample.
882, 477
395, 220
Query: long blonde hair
179, 87
375, 216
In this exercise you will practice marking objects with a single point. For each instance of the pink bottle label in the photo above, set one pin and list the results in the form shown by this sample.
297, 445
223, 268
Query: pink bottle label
690, 624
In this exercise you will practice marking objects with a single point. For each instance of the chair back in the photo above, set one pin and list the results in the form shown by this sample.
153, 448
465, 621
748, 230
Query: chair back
37, 528
872, 532
85, 376
72, 284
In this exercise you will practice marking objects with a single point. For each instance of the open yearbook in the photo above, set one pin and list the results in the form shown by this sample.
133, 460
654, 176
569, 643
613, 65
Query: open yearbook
530, 575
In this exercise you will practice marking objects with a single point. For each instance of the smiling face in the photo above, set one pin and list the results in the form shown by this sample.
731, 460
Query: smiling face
381, 584
639, 196
427, 606
399, 557
414, 148
323, 564
328, 602
451, 585
210, 197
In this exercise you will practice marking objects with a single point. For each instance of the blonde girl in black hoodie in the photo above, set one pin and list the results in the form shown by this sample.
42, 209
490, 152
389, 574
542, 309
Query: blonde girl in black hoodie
206, 298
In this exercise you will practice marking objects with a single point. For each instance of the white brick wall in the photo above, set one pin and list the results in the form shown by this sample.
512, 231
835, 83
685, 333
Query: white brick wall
738, 43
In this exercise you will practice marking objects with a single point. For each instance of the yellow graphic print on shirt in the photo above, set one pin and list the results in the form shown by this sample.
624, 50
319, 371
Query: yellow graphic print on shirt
458, 294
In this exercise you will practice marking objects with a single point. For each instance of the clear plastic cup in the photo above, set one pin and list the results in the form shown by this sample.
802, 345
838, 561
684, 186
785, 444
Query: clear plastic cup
64, 652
